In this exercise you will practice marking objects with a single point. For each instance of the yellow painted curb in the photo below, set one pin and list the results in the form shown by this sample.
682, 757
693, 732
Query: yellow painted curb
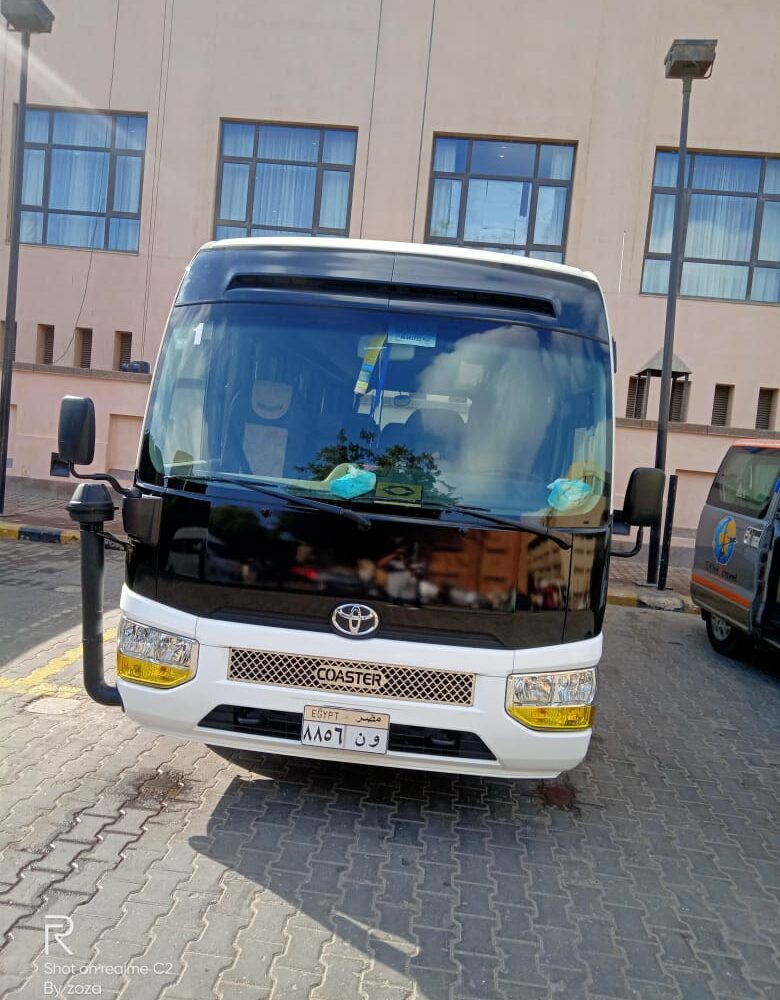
36, 681
626, 598
9, 530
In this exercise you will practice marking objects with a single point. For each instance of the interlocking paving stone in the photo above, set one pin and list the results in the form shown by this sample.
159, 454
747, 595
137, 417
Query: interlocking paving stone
278, 878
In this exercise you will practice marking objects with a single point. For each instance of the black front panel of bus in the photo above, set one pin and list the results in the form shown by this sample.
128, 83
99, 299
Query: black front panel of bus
264, 564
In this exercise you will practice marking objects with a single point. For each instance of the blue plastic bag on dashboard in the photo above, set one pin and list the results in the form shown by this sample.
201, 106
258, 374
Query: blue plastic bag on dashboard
354, 483
567, 493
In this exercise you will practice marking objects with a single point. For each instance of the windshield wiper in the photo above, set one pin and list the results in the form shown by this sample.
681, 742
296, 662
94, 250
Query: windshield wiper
293, 498
518, 523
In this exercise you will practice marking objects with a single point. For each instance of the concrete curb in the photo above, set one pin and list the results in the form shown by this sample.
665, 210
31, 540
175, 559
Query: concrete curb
657, 600
31, 533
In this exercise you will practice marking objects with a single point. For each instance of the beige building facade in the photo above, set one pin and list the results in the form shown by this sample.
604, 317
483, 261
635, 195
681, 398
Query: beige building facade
376, 82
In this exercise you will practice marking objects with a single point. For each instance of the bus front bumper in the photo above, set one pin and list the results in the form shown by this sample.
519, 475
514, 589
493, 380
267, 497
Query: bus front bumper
477, 738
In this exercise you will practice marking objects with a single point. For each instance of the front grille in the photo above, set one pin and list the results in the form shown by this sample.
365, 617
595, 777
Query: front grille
380, 680
401, 739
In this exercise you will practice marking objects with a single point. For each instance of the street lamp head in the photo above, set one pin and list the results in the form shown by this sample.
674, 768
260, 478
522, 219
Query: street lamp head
27, 15
690, 58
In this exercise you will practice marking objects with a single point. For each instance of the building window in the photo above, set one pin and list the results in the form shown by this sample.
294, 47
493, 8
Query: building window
284, 180
44, 350
766, 410
82, 179
636, 404
732, 227
678, 401
501, 195
123, 348
721, 405
83, 349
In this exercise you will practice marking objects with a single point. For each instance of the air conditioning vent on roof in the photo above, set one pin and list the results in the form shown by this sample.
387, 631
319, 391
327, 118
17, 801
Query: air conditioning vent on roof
394, 292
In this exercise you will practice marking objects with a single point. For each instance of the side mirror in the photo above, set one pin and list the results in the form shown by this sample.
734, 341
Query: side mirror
76, 436
644, 498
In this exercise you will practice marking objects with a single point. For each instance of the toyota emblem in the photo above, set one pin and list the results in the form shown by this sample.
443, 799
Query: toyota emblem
357, 621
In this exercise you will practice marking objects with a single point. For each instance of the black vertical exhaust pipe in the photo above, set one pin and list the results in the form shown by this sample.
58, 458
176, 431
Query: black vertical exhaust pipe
90, 507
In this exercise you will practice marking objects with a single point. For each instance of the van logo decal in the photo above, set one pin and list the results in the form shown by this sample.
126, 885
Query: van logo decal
725, 540
357, 621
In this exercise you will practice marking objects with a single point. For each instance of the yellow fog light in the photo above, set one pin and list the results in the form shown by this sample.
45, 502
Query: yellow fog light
147, 655
155, 674
559, 700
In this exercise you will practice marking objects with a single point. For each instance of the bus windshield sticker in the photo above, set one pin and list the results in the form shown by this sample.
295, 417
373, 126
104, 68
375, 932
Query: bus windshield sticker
411, 339
369, 360
198, 331
398, 492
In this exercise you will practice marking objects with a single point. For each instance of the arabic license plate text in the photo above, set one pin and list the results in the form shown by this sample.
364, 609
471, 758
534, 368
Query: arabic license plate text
345, 729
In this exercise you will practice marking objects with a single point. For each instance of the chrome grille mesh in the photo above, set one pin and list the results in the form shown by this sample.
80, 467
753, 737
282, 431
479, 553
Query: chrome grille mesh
380, 680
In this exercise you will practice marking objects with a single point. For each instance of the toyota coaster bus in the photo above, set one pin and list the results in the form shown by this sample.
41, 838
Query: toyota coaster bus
371, 516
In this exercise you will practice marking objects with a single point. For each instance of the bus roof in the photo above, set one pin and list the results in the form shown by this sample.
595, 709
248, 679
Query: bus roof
325, 270
390, 246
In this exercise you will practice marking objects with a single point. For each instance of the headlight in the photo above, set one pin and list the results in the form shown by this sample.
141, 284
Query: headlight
562, 699
148, 655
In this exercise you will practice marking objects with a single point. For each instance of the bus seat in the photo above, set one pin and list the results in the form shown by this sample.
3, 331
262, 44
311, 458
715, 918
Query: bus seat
437, 431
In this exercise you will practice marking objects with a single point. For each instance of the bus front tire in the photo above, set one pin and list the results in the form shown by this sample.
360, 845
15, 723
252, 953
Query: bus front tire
725, 638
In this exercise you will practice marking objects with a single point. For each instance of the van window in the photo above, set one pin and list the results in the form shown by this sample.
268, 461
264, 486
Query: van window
747, 480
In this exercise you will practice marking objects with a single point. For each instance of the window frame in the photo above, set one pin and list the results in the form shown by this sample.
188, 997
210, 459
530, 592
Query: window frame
112, 150
760, 197
254, 159
534, 180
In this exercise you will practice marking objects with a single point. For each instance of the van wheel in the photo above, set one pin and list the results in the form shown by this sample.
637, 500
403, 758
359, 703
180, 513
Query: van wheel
725, 638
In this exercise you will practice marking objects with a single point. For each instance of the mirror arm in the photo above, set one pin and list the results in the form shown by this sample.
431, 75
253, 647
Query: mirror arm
103, 477
629, 553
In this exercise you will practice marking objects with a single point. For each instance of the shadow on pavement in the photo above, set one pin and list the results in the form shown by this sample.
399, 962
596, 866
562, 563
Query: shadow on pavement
420, 873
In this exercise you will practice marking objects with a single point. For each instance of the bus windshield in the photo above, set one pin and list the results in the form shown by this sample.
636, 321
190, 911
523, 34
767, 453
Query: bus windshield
437, 409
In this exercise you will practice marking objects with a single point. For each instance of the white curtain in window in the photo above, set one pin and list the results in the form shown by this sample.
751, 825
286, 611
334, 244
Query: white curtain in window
720, 227
79, 180
339, 147
445, 208
766, 284
663, 224
497, 211
450, 155
726, 173
282, 142
550, 213
235, 184
284, 195
717, 281
32, 178
76, 230
123, 234
555, 162
655, 279
769, 246
127, 183
334, 199
75, 128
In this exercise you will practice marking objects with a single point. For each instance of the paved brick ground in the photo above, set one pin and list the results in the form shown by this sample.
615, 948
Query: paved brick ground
652, 871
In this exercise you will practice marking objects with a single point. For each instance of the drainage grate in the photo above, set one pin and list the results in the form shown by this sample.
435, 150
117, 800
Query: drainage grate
380, 680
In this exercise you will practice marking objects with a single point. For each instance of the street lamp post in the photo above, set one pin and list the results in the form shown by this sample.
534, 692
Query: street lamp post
29, 17
687, 60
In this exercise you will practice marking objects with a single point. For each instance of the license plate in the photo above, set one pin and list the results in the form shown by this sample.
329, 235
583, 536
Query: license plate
345, 729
